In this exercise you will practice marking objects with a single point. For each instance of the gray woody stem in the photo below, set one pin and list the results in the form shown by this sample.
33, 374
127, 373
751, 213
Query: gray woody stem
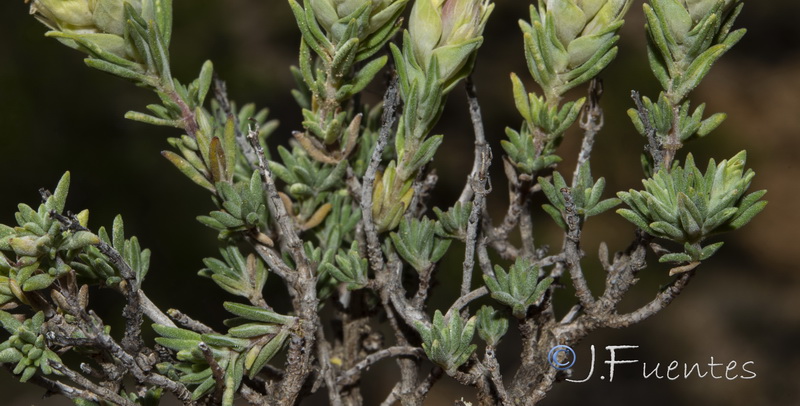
478, 187
390, 100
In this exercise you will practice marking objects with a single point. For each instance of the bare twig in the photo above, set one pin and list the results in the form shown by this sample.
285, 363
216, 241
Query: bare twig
427, 383
477, 187
54, 386
493, 367
216, 371
100, 391
390, 100
654, 147
480, 139
132, 339
464, 300
275, 263
189, 322
591, 122
327, 372
572, 251
418, 302
275, 204
153, 312
252, 396
661, 301
403, 350
393, 396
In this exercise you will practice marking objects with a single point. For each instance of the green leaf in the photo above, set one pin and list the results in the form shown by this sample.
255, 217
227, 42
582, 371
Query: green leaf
220, 340
163, 13
366, 74
268, 352
257, 313
603, 206
187, 169
675, 257
175, 332
117, 70
148, 119
697, 71
38, 282
204, 81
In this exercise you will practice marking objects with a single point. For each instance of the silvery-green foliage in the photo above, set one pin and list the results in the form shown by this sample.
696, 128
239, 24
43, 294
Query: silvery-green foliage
542, 119
585, 196
686, 38
568, 42
305, 214
417, 243
492, 326
340, 39
687, 206
438, 50
110, 31
351, 268
236, 274
661, 118
242, 207
448, 341
304, 176
453, 223
26, 348
519, 288
137, 258
41, 250
444, 34
335, 17
195, 157
254, 337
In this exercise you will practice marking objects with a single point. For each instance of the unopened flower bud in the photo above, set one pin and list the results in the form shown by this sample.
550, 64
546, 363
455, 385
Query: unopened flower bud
381, 12
700, 8
584, 26
101, 22
448, 29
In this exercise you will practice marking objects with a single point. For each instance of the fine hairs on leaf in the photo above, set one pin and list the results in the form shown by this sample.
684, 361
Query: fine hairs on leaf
338, 216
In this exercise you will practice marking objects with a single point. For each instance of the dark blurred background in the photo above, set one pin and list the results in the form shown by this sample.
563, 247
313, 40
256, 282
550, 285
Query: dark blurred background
57, 115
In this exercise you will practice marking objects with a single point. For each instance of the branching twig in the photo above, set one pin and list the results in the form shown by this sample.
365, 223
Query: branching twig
493, 367
661, 301
100, 391
572, 252
132, 339
352, 373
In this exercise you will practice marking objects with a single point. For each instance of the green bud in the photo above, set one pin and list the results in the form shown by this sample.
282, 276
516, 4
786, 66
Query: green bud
382, 12
99, 22
584, 27
64, 14
87, 16
448, 29
700, 8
